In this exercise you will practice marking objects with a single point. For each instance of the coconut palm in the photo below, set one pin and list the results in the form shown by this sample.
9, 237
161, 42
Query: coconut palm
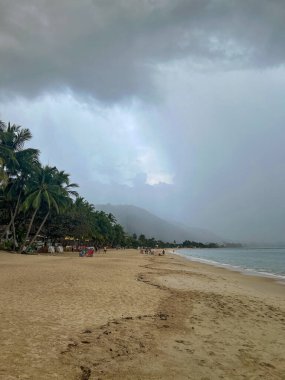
62, 179
12, 141
16, 164
3, 175
49, 190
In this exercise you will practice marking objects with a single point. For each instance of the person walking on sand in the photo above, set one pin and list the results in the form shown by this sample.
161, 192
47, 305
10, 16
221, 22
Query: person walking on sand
105, 249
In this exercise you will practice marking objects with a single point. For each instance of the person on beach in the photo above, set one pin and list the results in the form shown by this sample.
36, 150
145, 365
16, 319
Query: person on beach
105, 249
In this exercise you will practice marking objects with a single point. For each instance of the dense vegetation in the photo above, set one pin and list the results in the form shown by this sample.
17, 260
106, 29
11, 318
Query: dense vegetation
39, 201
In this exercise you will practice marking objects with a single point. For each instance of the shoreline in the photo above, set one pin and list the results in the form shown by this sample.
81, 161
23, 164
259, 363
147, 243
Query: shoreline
234, 268
241, 275
123, 315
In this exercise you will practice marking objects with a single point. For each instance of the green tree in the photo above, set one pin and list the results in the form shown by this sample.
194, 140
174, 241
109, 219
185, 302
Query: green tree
48, 190
16, 166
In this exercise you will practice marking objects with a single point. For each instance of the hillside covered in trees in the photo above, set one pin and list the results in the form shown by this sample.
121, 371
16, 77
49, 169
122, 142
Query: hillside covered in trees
136, 220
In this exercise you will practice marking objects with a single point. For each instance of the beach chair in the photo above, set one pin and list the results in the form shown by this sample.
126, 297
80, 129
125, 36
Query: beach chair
86, 252
30, 250
82, 253
89, 252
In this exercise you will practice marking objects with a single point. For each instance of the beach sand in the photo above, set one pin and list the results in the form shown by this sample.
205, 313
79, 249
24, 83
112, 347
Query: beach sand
124, 315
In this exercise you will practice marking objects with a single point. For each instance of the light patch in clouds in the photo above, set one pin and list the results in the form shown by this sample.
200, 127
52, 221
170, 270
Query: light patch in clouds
152, 167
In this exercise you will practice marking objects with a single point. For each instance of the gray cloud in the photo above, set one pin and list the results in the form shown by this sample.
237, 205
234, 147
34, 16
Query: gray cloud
220, 136
85, 76
110, 49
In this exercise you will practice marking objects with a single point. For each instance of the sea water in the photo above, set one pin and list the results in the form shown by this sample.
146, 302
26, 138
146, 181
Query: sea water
263, 261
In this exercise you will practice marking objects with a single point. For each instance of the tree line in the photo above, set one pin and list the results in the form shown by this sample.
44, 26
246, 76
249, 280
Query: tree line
39, 201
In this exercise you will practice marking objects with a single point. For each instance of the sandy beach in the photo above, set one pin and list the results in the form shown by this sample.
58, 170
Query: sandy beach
124, 315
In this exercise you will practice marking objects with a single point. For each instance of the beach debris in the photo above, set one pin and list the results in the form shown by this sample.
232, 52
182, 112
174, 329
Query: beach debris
86, 372
264, 364
87, 331
72, 344
163, 316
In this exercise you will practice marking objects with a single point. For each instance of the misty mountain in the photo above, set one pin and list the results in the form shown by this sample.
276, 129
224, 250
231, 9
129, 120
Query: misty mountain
139, 221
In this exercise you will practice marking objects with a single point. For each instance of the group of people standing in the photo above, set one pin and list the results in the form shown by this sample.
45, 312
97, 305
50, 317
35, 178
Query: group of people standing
149, 251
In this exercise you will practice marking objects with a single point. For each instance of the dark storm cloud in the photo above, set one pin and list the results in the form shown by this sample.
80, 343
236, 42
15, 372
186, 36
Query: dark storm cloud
209, 153
109, 49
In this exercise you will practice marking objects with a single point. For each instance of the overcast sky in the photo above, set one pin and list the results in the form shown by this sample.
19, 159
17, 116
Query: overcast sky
174, 106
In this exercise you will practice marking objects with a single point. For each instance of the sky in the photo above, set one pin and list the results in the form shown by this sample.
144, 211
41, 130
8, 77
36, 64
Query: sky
174, 106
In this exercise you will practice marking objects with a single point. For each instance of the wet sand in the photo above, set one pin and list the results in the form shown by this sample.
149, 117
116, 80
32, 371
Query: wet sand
124, 315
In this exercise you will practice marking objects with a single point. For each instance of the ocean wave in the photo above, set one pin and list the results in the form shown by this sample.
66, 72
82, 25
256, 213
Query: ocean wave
237, 268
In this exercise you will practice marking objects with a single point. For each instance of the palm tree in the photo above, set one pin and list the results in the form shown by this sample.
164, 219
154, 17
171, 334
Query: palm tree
16, 166
3, 175
62, 179
83, 212
48, 190
12, 141
112, 219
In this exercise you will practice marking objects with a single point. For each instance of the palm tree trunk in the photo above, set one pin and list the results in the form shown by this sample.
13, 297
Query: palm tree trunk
14, 232
39, 230
29, 229
13, 216
6, 230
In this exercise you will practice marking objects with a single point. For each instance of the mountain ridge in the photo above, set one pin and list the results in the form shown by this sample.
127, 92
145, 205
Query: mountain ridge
137, 220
